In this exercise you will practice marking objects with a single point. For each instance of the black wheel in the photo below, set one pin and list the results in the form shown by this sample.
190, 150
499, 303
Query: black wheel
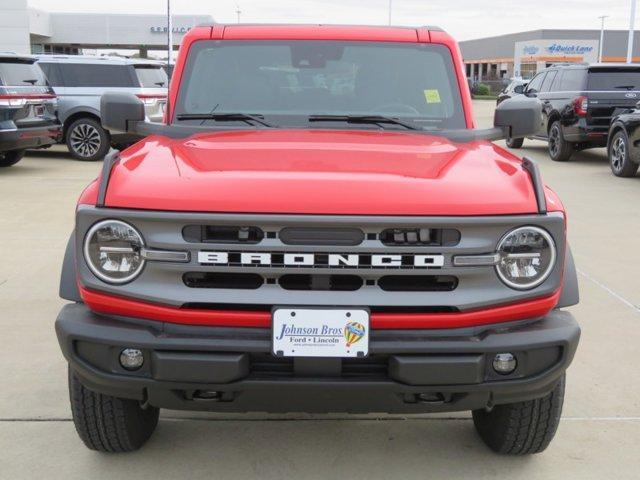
524, 427
619, 159
514, 142
10, 158
87, 140
109, 424
559, 149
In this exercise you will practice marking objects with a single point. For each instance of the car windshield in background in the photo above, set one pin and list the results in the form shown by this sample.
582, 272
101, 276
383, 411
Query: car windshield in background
20, 74
151, 76
300, 79
612, 79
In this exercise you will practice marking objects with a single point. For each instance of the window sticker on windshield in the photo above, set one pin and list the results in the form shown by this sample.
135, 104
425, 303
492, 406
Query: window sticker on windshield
432, 96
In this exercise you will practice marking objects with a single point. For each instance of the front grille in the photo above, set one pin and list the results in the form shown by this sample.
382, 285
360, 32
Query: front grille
312, 260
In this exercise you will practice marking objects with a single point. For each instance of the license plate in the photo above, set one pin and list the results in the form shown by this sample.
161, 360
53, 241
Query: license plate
308, 332
38, 110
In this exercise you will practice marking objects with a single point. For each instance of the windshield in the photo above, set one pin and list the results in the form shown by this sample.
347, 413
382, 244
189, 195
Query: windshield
293, 80
20, 73
614, 79
151, 76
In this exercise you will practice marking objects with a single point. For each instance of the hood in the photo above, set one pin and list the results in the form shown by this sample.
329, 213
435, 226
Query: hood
320, 172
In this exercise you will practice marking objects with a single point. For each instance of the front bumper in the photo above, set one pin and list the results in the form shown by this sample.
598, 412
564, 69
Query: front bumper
24, 138
408, 371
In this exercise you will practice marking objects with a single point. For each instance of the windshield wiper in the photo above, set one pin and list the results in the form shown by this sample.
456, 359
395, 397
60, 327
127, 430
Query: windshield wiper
374, 119
626, 87
226, 117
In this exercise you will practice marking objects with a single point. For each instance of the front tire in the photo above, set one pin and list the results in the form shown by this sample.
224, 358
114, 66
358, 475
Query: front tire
87, 140
10, 158
521, 428
619, 158
109, 424
559, 149
514, 142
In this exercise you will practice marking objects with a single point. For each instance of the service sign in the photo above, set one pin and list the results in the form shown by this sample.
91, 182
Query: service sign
306, 332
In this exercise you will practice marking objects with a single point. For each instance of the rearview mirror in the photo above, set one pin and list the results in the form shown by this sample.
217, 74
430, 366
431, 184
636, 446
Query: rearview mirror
519, 116
121, 111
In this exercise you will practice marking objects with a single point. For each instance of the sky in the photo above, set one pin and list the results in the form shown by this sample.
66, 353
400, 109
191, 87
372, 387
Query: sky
464, 19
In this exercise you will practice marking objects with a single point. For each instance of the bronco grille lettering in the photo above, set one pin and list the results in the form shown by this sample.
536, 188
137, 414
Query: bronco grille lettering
320, 260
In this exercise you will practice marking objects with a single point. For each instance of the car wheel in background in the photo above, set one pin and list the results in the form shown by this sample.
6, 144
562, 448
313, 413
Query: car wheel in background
619, 159
110, 424
514, 142
524, 427
10, 158
559, 149
87, 140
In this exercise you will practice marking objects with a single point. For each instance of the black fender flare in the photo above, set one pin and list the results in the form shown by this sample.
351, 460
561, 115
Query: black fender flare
68, 278
570, 294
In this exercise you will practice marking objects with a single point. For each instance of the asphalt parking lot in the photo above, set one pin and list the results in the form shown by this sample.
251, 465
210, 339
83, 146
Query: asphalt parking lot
598, 438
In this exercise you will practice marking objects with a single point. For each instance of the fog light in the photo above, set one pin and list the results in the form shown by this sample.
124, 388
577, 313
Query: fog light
131, 358
504, 363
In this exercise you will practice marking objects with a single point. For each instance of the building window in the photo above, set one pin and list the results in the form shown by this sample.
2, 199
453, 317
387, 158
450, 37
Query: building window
528, 70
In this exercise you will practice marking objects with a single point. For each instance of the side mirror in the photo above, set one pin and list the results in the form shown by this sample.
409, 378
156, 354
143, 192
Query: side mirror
520, 116
518, 89
120, 111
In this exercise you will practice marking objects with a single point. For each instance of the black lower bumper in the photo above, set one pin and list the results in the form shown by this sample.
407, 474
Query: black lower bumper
231, 369
25, 138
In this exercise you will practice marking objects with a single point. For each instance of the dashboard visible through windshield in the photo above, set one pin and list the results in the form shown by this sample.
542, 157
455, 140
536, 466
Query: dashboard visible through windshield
309, 83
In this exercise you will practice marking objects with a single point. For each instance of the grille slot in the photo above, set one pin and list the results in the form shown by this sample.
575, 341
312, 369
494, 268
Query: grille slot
321, 236
420, 236
242, 281
222, 234
340, 283
374, 366
418, 283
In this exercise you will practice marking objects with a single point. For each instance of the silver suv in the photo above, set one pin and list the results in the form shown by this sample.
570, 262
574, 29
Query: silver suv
79, 81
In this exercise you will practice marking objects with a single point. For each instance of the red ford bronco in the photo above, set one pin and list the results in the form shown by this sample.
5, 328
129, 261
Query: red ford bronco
318, 226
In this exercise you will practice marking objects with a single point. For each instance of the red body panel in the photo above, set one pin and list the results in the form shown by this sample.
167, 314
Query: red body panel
109, 304
321, 172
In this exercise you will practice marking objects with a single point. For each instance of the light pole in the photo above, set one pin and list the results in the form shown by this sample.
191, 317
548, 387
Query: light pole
238, 12
169, 35
631, 27
390, 10
601, 38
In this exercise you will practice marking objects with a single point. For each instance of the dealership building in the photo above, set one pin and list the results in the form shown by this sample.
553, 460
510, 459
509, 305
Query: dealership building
523, 54
27, 30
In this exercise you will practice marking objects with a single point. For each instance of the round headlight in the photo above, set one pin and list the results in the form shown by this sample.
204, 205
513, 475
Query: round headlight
527, 257
113, 251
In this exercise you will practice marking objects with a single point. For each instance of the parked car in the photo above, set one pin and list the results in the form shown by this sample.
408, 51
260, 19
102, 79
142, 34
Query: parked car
579, 102
318, 228
27, 108
80, 81
515, 87
624, 143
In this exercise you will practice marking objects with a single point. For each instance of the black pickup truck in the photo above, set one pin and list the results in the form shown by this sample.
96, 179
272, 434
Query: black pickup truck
579, 101
27, 108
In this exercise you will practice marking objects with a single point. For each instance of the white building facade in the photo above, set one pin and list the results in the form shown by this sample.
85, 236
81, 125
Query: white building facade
27, 30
